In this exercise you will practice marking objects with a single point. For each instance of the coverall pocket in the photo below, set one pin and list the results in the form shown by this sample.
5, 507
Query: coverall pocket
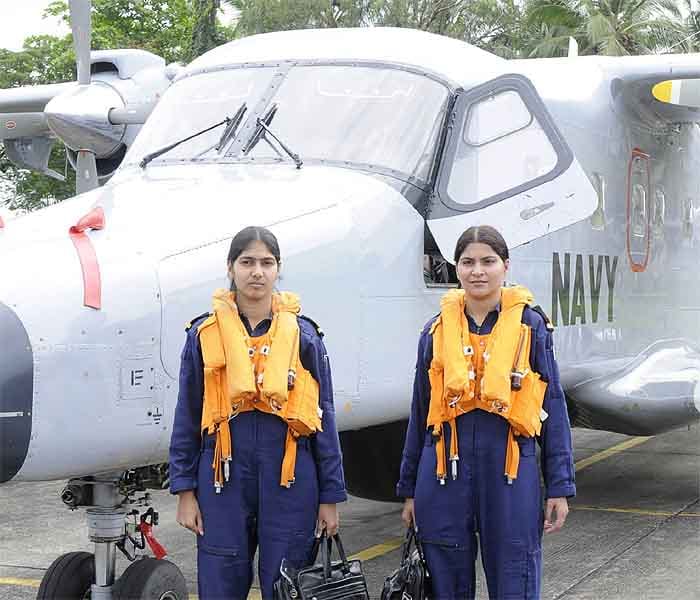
226, 551
527, 446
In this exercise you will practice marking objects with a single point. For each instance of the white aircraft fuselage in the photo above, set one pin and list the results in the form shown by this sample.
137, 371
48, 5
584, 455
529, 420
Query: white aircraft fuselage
606, 237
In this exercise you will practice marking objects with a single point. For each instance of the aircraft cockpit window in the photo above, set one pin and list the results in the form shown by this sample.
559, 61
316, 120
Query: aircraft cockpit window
499, 130
195, 103
368, 116
495, 117
373, 117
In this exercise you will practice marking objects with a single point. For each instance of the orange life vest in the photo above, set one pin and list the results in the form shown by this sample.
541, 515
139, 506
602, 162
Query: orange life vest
263, 373
508, 386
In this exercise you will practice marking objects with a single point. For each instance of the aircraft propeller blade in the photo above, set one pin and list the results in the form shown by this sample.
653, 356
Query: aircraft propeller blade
81, 26
85, 172
23, 125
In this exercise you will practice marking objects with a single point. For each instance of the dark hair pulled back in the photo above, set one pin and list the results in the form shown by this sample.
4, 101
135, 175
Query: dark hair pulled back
482, 234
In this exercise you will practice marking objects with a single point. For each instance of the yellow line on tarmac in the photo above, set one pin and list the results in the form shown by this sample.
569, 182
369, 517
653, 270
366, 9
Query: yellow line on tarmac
603, 454
378, 550
35, 583
635, 511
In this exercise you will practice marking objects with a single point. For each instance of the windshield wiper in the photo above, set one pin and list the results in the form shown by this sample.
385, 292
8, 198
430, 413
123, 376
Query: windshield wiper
149, 157
228, 134
261, 129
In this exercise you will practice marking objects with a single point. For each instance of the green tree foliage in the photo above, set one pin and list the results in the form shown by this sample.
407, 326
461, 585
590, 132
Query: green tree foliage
162, 27
489, 24
206, 33
179, 30
609, 27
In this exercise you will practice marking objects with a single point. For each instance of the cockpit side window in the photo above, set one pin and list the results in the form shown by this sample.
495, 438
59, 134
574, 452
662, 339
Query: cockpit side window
503, 147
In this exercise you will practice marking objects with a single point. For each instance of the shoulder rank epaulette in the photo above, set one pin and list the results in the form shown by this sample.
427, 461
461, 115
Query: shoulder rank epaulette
540, 311
197, 318
433, 325
315, 325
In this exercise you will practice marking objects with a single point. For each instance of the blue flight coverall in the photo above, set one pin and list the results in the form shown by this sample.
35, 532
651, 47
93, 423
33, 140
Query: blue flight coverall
253, 509
508, 519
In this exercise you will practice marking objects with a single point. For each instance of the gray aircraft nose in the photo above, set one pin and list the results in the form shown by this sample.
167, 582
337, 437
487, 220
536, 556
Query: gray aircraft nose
16, 389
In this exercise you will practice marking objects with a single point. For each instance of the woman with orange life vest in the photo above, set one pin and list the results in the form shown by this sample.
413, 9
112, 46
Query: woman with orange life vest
254, 456
486, 386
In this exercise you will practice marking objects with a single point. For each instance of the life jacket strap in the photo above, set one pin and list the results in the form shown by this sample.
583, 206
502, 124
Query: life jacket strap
454, 448
222, 456
290, 459
512, 456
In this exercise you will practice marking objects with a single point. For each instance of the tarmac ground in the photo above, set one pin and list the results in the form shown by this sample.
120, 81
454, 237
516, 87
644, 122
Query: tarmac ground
633, 532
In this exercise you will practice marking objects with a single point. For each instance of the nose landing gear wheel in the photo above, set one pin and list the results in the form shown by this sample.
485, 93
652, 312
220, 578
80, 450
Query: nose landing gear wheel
151, 579
68, 578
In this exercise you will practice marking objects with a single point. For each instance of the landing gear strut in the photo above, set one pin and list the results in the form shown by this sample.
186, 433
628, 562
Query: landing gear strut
81, 575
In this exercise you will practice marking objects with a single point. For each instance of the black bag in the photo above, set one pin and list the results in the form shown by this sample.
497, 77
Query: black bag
411, 581
338, 580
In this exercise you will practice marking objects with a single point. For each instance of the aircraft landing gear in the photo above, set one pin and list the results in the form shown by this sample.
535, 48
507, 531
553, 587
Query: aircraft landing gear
82, 575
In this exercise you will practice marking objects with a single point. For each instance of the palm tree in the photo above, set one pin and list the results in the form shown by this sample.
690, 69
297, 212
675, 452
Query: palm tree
609, 27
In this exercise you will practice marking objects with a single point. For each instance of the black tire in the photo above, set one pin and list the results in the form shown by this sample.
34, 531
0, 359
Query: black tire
69, 577
151, 579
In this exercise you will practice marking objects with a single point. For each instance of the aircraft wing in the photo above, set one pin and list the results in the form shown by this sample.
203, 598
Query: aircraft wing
657, 90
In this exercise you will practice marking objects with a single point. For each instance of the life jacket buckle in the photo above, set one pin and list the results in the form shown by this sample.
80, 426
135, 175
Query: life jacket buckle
516, 380
453, 465
291, 379
290, 483
453, 401
260, 378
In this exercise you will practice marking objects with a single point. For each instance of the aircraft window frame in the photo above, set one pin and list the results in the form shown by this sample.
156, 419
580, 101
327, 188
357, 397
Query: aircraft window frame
638, 180
283, 67
466, 136
467, 98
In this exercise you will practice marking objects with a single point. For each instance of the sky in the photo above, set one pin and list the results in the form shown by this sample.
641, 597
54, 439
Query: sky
22, 18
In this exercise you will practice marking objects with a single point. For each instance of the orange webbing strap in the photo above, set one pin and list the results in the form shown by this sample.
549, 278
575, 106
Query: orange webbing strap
290, 458
222, 455
454, 449
441, 468
512, 457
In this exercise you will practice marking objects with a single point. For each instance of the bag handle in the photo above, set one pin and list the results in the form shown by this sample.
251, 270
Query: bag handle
326, 555
314, 550
341, 553
408, 540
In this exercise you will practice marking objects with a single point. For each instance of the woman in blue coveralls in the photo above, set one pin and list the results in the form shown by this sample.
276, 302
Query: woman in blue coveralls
253, 507
487, 484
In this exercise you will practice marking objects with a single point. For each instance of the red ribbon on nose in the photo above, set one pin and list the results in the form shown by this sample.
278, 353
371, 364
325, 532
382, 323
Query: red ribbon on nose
92, 286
